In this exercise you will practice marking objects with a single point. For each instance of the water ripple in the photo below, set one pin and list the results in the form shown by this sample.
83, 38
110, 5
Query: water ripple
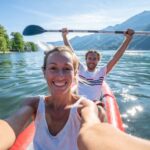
21, 76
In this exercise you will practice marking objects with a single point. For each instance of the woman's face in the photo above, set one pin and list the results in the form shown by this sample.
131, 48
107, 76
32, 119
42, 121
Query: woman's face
59, 72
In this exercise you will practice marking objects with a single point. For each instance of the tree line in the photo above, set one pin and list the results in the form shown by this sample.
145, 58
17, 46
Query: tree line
16, 43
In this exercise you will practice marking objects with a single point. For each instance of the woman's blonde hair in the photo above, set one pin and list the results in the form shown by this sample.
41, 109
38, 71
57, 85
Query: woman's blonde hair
62, 49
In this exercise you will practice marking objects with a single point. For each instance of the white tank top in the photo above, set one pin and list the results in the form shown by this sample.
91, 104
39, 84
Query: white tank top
66, 139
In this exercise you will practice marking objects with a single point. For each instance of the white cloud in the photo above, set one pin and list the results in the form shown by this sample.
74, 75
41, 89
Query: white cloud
83, 21
91, 20
33, 12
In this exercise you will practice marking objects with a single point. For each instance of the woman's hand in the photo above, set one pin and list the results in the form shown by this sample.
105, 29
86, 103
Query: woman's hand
88, 112
89, 120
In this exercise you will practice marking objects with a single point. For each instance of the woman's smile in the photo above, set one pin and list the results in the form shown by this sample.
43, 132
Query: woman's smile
59, 83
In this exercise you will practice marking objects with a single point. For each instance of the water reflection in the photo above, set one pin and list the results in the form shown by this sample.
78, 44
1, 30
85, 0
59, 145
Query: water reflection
126, 96
134, 110
21, 76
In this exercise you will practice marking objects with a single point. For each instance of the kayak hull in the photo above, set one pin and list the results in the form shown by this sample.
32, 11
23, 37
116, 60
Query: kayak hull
112, 108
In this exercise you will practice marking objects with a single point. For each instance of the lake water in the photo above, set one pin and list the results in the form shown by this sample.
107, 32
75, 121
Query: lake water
21, 76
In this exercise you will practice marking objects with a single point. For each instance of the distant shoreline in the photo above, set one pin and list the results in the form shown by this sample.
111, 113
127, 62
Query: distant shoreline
15, 52
5, 52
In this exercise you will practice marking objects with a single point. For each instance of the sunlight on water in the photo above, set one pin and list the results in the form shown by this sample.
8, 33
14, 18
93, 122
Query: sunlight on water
134, 53
124, 116
126, 96
21, 76
134, 110
125, 126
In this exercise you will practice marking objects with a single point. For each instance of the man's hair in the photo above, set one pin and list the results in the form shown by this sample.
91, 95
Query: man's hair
93, 51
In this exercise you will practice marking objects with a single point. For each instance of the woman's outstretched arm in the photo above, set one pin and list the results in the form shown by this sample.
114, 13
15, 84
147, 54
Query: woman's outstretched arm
95, 135
11, 127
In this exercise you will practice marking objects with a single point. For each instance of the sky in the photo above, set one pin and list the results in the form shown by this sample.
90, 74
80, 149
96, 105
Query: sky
15, 15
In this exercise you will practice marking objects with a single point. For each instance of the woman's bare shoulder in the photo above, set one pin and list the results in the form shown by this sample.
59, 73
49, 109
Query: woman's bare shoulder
31, 101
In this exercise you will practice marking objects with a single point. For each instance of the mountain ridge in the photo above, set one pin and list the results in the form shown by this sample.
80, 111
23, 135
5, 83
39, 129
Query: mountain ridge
106, 42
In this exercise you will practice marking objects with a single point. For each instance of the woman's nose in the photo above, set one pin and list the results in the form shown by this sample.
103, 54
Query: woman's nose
60, 73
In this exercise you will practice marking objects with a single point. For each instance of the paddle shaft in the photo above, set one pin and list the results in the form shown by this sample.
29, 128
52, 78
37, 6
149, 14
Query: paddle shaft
35, 29
102, 31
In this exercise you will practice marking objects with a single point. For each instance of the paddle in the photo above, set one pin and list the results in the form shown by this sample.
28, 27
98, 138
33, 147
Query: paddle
35, 29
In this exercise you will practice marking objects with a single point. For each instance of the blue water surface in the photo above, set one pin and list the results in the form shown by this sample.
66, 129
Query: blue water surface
21, 76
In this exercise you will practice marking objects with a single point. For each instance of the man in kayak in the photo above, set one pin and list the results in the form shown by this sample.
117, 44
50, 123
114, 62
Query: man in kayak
92, 78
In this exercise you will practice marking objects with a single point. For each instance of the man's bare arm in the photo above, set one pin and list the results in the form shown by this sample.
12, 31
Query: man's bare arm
128, 37
65, 38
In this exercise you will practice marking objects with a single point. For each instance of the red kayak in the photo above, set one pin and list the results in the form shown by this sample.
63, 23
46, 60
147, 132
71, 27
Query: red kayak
24, 140
111, 106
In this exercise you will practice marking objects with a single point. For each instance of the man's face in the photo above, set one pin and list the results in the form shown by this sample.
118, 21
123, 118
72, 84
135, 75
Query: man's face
92, 61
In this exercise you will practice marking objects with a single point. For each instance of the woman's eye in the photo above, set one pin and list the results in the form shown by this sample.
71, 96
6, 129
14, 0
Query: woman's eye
68, 69
52, 68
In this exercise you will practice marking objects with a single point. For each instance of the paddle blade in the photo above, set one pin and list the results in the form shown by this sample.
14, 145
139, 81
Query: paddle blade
33, 30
